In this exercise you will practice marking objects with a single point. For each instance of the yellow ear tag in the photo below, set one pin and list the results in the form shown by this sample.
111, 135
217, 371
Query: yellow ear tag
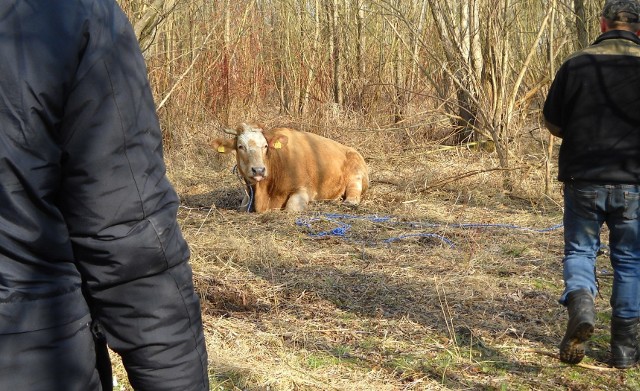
277, 145
221, 149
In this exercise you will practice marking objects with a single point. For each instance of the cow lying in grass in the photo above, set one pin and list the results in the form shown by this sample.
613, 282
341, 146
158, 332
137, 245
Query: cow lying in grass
286, 168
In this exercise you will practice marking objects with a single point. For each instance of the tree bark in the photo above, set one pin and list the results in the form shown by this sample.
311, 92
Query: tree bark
552, 71
312, 60
581, 23
336, 55
152, 16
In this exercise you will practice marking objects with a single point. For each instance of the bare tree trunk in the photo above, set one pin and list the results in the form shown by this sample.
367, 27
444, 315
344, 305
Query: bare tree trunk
467, 94
552, 71
415, 50
313, 60
581, 23
498, 122
398, 72
455, 30
280, 57
145, 27
336, 54
223, 110
475, 49
360, 39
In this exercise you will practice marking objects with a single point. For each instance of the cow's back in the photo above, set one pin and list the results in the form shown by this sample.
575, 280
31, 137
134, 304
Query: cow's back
320, 165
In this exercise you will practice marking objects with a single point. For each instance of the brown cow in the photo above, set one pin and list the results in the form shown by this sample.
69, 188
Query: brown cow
286, 168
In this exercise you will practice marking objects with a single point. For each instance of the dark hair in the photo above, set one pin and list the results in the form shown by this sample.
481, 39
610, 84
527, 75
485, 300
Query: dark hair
625, 11
623, 25
626, 17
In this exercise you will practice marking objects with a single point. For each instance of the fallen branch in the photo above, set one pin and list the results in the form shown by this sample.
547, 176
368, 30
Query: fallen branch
466, 175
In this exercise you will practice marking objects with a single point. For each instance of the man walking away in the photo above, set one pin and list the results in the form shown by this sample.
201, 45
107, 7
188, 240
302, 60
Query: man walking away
594, 106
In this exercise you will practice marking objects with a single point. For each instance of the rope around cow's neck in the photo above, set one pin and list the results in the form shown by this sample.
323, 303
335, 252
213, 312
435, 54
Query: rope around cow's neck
248, 193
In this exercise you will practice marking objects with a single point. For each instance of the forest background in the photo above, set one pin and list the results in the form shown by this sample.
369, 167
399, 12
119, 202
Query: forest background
444, 99
452, 71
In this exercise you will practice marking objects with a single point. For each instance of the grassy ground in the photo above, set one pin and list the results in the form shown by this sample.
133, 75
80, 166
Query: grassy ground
421, 287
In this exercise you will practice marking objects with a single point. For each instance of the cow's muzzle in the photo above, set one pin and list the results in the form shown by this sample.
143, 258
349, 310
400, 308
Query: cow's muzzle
258, 173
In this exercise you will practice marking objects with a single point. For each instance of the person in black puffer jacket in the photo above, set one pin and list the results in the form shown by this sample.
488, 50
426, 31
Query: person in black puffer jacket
90, 249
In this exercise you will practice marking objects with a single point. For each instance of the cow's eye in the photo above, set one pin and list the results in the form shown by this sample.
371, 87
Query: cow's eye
240, 147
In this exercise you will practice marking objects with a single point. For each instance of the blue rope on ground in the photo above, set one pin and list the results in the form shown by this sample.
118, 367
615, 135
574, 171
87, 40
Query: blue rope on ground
343, 228
340, 230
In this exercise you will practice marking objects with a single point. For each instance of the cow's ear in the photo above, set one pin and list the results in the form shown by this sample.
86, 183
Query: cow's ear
224, 145
278, 141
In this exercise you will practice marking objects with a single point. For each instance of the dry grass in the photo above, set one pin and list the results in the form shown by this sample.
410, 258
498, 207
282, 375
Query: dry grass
412, 302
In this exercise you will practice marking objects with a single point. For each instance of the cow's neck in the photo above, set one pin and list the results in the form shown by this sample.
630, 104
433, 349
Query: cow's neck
266, 188
261, 197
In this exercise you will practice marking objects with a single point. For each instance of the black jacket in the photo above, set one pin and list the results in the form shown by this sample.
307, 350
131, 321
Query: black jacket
595, 101
83, 189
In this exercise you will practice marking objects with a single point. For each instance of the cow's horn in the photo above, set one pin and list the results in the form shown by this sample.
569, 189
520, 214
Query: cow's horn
230, 131
250, 127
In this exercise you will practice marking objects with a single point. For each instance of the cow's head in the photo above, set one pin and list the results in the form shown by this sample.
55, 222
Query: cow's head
252, 144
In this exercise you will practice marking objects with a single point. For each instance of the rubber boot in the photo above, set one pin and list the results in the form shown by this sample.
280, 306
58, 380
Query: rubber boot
582, 319
624, 342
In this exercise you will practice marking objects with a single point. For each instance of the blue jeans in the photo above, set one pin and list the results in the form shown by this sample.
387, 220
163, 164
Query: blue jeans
586, 208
